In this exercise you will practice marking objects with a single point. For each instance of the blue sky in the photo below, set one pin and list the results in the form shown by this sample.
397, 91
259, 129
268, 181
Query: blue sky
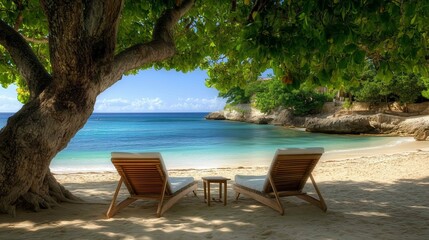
148, 91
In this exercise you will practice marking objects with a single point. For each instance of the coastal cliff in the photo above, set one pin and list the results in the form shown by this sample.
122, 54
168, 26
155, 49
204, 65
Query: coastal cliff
360, 118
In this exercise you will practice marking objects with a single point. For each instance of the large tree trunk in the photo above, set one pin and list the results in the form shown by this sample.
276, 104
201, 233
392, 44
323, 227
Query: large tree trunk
82, 42
31, 138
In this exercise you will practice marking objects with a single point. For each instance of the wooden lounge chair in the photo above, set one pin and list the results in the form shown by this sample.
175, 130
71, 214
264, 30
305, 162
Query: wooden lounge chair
289, 171
145, 177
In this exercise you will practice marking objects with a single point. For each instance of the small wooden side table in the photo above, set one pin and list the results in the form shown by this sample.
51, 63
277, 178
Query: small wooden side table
215, 179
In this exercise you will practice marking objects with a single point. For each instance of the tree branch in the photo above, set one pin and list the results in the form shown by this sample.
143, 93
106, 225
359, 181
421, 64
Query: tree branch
66, 37
18, 21
20, 17
257, 7
102, 17
76, 27
101, 24
35, 40
160, 48
28, 64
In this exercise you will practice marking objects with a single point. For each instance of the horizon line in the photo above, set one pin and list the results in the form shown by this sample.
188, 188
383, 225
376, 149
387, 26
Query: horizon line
143, 112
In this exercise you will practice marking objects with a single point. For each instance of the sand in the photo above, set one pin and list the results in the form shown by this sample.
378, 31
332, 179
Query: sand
376, 194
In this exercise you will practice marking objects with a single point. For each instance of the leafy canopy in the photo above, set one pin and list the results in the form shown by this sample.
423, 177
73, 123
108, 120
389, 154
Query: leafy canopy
322, 42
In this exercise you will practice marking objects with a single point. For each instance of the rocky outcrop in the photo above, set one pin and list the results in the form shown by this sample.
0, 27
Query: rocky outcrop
369, 124
414, 126
336, 120
242, 113
340, 125
215, 116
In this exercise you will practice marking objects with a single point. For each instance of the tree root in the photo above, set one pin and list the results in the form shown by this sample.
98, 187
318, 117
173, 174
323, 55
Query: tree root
9, 209
49, 194
57, 191
35, 202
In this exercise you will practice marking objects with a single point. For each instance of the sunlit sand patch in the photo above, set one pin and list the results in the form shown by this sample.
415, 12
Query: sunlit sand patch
369, 214
420, 207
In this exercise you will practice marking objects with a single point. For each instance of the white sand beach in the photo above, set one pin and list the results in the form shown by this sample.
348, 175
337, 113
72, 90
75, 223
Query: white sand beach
371, 194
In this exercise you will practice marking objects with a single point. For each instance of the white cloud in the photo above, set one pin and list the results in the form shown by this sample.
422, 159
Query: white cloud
198, 104
9, 104
126, 105
158, 105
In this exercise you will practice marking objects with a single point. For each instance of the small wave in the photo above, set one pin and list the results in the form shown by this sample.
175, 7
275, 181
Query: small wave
83, 169
389, 144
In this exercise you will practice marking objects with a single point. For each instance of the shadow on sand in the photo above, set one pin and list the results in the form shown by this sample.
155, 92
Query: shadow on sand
356, 210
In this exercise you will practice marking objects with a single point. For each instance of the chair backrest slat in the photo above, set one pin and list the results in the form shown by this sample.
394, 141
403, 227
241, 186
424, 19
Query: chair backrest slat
291, 168
143, 173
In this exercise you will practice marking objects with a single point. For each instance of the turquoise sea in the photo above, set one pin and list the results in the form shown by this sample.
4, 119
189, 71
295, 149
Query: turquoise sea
187, 140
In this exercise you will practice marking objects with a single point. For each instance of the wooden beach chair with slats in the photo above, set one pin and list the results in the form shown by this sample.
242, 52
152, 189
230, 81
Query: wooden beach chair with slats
289, 172
145, 177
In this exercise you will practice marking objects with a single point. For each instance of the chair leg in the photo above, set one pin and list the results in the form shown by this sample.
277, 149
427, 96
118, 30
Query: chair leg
280, 208
164, 206
161, 202
113, 209
270, 202
320, 203
237, 195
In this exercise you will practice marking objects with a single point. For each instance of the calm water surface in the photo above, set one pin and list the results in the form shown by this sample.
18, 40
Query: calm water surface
187, 140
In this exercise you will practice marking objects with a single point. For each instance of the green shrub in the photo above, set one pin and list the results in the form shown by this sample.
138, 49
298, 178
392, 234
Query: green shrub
235, 95
304, 102
300, 101
272, 94
347, 104
403, 88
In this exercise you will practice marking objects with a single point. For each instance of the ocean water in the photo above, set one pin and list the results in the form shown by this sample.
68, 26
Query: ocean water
187, 140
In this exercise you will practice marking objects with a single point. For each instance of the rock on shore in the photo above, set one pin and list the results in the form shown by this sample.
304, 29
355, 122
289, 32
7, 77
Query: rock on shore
335, 120
215, 116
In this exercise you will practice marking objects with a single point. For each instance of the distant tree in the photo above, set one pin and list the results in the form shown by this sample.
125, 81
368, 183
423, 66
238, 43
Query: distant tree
371, 92
275, 93
406, 88
403, 89
270, 95
236, 95
304, 102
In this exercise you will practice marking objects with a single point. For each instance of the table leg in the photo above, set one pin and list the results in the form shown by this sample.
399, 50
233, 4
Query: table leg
220, 191
208, 193
224, 195
205, 190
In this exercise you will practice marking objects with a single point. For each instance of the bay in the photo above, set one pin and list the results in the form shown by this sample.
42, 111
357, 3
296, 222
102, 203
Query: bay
187, 140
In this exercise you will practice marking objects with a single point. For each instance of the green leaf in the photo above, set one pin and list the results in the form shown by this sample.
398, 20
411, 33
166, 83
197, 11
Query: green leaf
343, 63
350, 48
358, 56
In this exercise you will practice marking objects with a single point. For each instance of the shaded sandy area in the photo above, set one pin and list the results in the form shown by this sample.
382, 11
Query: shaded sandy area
378, 194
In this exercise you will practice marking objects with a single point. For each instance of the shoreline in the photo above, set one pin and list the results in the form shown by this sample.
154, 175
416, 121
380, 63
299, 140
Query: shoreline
402, 147
333, 155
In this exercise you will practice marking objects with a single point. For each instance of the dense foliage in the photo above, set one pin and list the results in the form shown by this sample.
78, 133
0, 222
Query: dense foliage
402, 88
271, 94
327, 42
236, 95
322, 42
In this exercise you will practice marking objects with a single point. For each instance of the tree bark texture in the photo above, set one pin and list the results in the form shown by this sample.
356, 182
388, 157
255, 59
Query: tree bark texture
82, 41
